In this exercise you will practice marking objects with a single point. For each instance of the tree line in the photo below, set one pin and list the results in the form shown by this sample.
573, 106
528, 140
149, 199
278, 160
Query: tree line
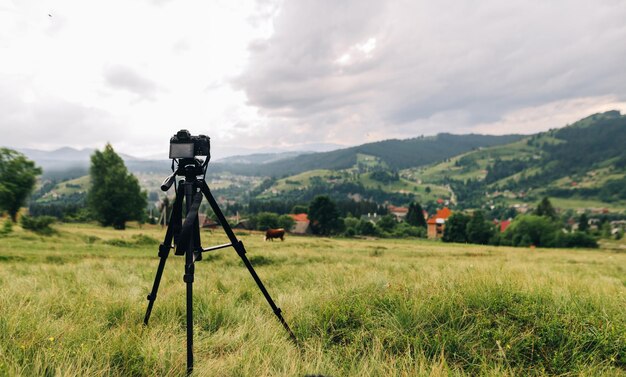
542, 228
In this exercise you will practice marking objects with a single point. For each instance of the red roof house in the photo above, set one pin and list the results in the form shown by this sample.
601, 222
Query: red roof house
302, 225
437, 222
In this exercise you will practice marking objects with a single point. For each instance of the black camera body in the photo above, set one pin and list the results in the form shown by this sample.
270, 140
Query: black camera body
184, 145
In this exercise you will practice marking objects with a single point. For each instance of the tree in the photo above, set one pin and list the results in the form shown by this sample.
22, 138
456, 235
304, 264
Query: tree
17, 179
286, 222
544, 208
299, 208
266, 220
529, 230
456, 228
583, 223
478, 230
387, 223
415, 216
115, 196
366, 228
324, 216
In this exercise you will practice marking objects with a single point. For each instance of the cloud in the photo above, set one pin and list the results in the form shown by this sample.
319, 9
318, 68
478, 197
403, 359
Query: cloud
44, 122
126, 78
342, 70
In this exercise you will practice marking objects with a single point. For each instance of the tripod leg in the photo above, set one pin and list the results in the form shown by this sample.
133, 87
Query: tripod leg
241, 251
188, 278
189, 235
164, 251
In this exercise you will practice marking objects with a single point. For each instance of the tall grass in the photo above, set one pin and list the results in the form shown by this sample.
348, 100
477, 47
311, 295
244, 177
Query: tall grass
73, 304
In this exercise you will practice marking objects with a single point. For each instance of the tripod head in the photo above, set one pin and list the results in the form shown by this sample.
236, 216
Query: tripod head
190, 168
183, 151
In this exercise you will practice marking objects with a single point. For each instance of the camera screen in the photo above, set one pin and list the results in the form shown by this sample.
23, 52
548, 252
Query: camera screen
181, 150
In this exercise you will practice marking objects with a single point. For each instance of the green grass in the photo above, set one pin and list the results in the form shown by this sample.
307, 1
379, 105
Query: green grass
72, 304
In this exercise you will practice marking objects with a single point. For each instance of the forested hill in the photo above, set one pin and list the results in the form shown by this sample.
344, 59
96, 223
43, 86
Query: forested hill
397, 154
597, 142
584, 160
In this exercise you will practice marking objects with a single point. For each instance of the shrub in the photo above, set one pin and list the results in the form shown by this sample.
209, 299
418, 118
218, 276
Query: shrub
7, 228
39, 224
387, 223
265, 221
406, 230
575, 239
286, 222
366, 228
529, 230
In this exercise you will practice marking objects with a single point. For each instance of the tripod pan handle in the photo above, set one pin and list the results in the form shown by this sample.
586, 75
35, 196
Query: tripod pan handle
167, 183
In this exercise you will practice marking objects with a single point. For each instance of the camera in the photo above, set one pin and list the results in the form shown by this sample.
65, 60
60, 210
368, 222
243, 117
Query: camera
184, 145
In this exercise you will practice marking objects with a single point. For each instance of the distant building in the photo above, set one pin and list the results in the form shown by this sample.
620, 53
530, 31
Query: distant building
243, 224
371, 217
437, 223
207, 222
398, 212
302, 225
502, 224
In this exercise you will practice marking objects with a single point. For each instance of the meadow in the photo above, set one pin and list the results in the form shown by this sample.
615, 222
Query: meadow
72, 304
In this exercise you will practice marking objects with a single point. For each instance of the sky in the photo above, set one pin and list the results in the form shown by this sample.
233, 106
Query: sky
314, 75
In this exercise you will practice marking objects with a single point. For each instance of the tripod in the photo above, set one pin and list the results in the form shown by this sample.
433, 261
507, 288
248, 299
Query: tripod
186, 237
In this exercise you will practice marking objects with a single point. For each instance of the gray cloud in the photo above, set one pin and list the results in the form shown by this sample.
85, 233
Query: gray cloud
48, 122
126, 78
436, 65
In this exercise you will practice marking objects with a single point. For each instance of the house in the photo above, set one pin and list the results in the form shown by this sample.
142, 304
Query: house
207, 222
302, 225
437, 223
371, 217
502, 224
243, 224
398, 212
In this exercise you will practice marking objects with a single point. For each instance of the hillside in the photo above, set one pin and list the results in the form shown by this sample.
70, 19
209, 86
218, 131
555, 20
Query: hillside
583, 161
582, 165
369, 179
396, 154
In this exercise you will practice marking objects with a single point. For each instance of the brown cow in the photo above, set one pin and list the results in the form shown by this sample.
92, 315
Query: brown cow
270, 234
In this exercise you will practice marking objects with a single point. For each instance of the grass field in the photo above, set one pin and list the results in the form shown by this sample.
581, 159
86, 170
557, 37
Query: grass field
73, 304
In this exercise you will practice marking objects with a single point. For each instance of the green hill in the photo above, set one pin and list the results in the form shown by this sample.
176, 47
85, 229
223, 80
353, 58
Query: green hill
396, 154
585, 161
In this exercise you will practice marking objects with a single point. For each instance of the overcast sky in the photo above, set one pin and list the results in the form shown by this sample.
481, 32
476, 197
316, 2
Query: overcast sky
301, 75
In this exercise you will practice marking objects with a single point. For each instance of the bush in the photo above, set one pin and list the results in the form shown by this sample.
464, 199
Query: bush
541, 231
366, 228
265, 221
387, 223
575, 239
7, 228
404, 229
39, 224
529, 230
286, 222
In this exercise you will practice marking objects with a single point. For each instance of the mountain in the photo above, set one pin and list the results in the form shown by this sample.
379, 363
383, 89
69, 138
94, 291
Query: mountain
582, 161
396, 154
582, 165
259, 158
67, 163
